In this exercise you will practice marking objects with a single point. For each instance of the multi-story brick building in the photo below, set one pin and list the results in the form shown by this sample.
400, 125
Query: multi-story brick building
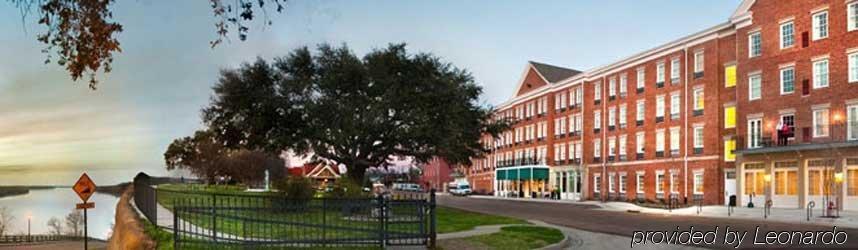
764, 103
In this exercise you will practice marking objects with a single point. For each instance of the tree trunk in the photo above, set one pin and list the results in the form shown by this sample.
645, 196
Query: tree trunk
357, 172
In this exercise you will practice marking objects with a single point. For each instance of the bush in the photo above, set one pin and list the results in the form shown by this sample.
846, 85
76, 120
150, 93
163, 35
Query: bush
346, 188
295, 188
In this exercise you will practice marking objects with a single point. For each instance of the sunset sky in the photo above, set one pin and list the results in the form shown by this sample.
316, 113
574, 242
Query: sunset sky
52, 129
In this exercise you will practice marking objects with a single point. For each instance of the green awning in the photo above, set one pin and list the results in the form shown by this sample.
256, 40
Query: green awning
522, 174
501, 175
525, 173
540, 174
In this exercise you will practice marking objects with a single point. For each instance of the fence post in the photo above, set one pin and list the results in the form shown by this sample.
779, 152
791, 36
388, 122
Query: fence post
324, 221
380, 213
214, 218
432, 234
175, 224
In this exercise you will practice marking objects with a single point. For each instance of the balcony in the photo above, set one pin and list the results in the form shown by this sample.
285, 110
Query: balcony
573, 133
698, 112
698, 151
573, 106
610, 158
659, 119
597, 159
597, 101
520, 162
612, 97
639, 123
797, 140
639, 90
611, 127
597, 130
659, 84
639, 156
659, 154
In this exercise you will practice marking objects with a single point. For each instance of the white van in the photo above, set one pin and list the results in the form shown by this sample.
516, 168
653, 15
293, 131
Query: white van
460, 188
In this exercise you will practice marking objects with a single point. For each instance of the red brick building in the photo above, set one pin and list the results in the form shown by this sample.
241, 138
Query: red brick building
695, 118
436, 174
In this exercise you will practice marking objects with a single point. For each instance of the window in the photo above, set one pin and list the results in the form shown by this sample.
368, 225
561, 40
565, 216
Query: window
562, 149
659, 141
674, 106
787, 80
698, 137
641, 108
698, 99
641, 77
755, 87
622, 183
597, 148
580, 94
639, 142
853, 67
852, 122
698, 182
755, 133
729, 150
659, 182
612, 115
852, 16
659, 73
755, 44
674, 70
578, 150
820, 73
730, 76
611, 182
820, 123
698, 62
659, 106
674, 182
612, 87
624, 79
730, 117
597, 120
597, 183
674, 141
639, 183
820, 25
622, 146
597, 91
787, 34
623, 116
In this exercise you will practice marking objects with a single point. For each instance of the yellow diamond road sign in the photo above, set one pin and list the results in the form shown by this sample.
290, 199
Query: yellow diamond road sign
84, 187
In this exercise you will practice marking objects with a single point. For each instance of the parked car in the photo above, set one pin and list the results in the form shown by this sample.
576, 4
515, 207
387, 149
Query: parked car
459, 189
407, 187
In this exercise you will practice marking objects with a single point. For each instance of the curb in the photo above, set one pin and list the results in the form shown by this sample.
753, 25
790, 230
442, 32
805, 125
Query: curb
563, 244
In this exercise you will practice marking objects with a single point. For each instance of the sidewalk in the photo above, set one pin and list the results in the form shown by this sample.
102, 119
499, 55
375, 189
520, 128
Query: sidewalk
788, 215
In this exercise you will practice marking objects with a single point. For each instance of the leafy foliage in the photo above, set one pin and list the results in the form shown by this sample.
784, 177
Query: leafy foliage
205, 157
82, 33
350, 110
74, 223
296, 187
347, 188
5, 220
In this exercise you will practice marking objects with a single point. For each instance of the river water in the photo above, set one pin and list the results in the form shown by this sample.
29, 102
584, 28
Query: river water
42, 204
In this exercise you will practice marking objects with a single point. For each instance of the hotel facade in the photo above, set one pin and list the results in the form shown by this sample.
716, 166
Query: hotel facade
763, 106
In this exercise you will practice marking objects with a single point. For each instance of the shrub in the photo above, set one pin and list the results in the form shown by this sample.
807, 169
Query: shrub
295, 188
346, 188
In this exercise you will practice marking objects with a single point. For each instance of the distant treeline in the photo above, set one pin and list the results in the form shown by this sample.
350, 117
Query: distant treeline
13, 191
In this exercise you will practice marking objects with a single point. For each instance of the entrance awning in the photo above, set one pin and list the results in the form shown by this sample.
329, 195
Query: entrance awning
522, 173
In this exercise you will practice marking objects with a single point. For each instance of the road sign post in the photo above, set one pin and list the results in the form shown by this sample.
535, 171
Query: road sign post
84, 187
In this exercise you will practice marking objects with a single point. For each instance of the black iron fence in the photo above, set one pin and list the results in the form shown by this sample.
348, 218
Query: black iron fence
267, 220
13, 239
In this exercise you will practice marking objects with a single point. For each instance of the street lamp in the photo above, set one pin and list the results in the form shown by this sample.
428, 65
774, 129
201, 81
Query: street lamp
29, 218
767, 201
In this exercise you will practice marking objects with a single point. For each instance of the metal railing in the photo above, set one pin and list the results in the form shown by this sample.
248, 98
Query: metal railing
13, 239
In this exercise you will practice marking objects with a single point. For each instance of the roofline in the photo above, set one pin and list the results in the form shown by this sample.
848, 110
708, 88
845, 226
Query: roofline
630, 61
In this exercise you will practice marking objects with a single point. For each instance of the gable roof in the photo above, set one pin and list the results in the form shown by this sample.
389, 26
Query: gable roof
551, 73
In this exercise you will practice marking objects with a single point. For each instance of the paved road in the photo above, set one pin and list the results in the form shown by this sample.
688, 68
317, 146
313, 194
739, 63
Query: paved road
584, 217
59, 245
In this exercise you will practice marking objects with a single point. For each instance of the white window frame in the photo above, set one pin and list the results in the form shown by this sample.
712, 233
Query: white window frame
659, 72
852, 59
674, 104
852, 16
597, 177
820, 30
641, 77
696, 96
640, 182
612, 86
659, 175
698, 182
787, 39
674, 70
821, 79
659, 106
597, 148
783, 80
752, 50
659, 140
597, 91
612, 146
621, 148
597, 119
612, 116
622, 183
611, 182
624, 80
824, 114
699, 59
755, 132
851, 117
640, 142
674, 139
623, 114
759, 83
698, 136
640, 110
674, 184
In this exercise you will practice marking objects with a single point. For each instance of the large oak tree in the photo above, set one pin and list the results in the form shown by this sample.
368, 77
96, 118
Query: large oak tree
351, 110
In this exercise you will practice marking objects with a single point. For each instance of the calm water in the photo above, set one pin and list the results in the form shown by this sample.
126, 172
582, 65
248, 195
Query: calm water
46, 203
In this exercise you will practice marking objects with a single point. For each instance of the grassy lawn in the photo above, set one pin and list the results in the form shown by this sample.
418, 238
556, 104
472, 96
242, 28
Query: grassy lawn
519, 237
455, 220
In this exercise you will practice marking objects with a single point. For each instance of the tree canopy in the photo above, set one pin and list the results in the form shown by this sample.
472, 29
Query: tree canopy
82, 33
351, 110
206, 157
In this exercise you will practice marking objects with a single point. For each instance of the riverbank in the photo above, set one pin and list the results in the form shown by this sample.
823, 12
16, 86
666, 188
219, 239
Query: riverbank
13, 191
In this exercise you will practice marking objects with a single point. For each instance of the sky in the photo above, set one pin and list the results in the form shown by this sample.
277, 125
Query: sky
52, 129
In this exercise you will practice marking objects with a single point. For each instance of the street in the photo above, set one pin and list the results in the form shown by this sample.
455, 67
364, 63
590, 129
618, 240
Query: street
585, 217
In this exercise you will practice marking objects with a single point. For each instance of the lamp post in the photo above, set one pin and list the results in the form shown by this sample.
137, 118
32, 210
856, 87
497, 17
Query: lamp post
838, 181
29, 218
767, 201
